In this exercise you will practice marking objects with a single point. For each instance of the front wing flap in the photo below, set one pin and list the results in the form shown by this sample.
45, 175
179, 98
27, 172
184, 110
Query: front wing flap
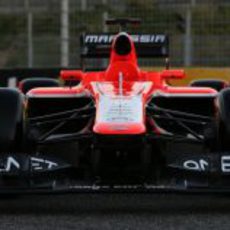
28, 165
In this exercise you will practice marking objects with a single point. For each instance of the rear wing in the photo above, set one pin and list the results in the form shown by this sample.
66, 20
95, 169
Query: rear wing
147, 45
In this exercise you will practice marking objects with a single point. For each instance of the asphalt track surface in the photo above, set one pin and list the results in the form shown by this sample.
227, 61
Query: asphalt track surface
116, 211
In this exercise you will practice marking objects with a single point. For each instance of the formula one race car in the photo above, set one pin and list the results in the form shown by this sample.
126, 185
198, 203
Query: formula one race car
120, 129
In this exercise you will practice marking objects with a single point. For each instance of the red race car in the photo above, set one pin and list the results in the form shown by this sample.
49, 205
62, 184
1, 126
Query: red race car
119, 129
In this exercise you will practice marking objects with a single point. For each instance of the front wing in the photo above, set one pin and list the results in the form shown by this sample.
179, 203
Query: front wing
186, 173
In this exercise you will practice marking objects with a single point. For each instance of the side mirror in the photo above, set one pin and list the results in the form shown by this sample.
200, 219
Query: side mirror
172, 74
70, 75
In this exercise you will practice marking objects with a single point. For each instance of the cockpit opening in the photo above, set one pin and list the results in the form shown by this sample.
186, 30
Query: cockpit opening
122, 45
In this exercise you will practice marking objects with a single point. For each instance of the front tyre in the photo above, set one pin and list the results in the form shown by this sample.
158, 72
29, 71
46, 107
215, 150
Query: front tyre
223, 119
11, 120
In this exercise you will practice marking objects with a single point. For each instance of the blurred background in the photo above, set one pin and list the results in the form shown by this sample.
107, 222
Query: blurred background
45, 33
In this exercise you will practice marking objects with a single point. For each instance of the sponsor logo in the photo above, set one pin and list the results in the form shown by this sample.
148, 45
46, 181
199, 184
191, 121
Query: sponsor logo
12, 164
120, 110
9, 164
196, 165
142, 38
99, 38
225, 164
41, 164
203, 164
